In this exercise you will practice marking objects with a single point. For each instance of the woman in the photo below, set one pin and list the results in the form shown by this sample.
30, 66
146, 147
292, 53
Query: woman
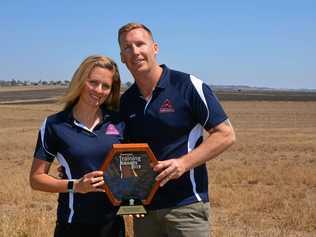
79, 137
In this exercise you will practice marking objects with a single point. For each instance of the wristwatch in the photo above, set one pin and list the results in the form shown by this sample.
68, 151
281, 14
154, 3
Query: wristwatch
70, 186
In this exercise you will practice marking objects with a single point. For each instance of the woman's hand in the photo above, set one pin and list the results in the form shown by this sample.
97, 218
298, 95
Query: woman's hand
90, 182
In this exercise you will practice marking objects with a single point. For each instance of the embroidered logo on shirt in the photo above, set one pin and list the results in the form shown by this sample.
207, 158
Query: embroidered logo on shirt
111, 130
132, 115
166, 107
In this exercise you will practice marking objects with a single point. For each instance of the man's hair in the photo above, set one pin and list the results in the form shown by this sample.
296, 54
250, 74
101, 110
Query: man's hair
81, 75
131, 26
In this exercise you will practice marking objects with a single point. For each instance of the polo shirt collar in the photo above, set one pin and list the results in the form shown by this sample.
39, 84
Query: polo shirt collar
162, 83
68, 115
165, 77
70, 118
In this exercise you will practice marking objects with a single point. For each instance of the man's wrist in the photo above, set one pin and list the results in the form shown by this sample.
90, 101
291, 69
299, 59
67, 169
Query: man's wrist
185, 163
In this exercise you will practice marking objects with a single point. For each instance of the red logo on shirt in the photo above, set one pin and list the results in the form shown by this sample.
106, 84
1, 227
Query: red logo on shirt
166, 107
111, 130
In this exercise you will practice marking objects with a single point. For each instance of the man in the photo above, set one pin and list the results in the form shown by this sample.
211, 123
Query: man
169, 110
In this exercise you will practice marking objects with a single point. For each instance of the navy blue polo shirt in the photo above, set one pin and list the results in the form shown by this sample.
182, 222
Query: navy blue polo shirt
79, 150
172, 123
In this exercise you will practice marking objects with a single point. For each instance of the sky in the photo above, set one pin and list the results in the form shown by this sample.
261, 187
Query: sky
266, 43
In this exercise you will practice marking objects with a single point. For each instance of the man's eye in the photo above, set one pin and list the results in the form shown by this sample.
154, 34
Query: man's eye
140, 44
127, 47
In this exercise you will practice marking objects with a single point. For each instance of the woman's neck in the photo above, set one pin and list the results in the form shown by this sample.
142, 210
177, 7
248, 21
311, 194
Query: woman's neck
86, 115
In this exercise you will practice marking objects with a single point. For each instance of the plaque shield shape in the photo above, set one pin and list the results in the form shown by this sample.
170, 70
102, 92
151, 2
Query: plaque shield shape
129, 178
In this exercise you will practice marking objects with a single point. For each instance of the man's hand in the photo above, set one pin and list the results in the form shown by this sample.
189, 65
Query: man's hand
138, 216
169, 169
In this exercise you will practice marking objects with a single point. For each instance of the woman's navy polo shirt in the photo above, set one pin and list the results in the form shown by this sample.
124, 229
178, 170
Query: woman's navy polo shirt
79, 151
172, 123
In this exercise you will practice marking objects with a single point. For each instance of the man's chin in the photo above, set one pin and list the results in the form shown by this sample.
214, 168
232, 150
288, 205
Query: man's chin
138, 70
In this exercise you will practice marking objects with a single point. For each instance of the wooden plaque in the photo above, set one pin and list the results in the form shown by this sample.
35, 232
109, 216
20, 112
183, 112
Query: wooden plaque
129, 176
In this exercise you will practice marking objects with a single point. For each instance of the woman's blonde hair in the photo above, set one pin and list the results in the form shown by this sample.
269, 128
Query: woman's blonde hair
81, 75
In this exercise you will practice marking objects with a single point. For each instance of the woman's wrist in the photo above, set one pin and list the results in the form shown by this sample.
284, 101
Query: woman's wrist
76, 186
72, 186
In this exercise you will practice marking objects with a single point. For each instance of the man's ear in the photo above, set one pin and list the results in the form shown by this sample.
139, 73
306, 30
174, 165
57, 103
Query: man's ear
156, 48
122, 58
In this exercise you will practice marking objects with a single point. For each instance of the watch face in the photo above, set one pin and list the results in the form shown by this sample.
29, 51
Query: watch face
70, 186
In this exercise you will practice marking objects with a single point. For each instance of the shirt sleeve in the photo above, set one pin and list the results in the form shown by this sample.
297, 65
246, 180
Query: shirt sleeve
46, 146
206, 107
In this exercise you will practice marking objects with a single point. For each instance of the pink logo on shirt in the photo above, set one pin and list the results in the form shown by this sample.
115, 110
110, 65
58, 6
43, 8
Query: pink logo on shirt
111, 130
166, 107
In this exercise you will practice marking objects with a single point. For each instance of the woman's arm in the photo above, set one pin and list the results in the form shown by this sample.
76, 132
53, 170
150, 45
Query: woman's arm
40, 180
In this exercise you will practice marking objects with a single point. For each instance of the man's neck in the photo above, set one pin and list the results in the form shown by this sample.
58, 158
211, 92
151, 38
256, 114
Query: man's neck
146, 82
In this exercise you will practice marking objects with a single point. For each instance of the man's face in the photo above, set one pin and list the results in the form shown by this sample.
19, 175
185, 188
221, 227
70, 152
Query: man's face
138, 51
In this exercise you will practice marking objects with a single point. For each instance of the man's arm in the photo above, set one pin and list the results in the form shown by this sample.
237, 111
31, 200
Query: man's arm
220, 138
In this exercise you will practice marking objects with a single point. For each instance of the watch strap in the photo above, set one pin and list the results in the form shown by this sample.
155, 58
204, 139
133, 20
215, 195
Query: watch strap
70, 186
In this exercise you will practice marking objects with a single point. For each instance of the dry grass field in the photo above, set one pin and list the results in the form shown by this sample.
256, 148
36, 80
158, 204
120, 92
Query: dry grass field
265, 185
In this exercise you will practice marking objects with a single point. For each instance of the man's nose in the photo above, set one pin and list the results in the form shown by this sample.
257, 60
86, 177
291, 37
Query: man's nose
135, 49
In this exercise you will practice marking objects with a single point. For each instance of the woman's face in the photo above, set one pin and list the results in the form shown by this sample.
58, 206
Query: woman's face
97, 87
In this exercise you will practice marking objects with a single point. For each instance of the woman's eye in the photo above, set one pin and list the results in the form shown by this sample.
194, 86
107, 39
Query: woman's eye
93, 82
105, 86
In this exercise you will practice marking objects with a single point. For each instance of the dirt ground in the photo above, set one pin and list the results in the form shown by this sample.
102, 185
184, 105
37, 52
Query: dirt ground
265, 185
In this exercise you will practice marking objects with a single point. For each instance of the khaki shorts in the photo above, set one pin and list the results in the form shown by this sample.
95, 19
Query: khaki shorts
184, 221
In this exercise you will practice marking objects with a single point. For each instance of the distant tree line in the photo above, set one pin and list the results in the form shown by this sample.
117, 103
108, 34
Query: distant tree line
14, 82
65, 83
